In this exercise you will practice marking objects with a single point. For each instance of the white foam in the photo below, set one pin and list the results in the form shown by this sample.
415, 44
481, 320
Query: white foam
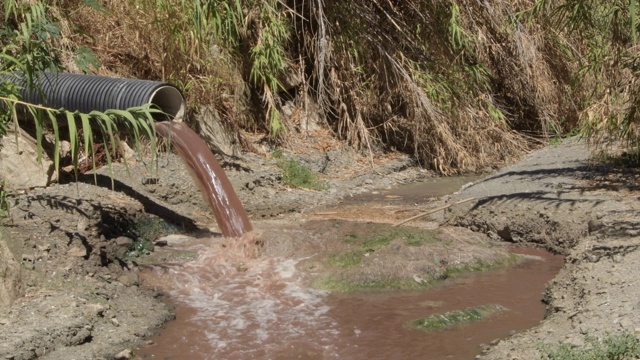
262, 308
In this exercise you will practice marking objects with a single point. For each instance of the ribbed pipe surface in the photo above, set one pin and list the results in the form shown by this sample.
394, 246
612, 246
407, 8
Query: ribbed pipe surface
85, 93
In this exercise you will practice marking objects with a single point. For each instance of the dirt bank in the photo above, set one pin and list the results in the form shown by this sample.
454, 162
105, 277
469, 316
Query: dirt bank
555, 198
70, 255
70, 264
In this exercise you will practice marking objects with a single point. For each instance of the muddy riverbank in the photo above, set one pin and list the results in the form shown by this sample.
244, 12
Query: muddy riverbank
556, 198
70, 266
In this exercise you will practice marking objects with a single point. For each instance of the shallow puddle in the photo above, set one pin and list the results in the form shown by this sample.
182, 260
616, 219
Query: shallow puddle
262, 309
378, 322
419, 192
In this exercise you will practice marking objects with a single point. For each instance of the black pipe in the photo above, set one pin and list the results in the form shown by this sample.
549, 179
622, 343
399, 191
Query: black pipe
85, 93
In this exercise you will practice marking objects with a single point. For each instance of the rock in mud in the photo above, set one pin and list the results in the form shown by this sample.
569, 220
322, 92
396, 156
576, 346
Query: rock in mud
19, 162
129, 279
124, 355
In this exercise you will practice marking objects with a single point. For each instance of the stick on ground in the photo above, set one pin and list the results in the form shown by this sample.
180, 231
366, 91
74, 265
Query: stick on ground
432, 211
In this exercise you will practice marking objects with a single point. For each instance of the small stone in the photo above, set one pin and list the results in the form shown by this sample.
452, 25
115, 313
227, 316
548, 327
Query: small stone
115, 322
44, 248
92, 310
4, 321
150, 181
126, 151
505, 233
174, 239
81, 337
161, 242
633, 232
123, 241
129, 279
28, 261
594, 225
77, 251
82, 225
494, 342
124, 355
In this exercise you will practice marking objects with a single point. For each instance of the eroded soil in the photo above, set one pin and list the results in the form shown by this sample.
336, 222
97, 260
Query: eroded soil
76, 290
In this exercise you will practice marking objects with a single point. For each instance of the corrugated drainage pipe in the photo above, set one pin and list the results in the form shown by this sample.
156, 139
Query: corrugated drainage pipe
85, 93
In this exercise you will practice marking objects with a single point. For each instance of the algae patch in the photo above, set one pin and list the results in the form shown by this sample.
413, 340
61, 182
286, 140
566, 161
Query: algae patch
376, 256
457, 317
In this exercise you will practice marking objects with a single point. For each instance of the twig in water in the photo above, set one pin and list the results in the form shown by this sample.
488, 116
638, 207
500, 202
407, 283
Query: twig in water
432, 211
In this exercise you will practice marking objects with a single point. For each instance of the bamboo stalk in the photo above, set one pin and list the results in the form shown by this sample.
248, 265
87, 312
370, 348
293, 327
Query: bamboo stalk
432, 211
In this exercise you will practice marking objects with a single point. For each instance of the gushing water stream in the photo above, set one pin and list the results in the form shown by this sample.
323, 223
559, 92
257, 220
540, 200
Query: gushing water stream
209, 176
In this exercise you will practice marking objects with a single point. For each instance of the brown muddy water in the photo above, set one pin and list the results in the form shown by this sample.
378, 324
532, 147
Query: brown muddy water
231, 307
209, 176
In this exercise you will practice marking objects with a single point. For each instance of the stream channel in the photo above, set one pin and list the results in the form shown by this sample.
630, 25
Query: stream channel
264, 308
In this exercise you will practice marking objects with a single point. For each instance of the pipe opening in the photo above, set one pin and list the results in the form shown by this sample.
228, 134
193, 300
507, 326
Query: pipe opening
170, 100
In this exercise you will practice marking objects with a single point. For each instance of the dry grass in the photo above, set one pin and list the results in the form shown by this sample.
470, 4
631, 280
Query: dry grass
156, 40
459, 84
449, 86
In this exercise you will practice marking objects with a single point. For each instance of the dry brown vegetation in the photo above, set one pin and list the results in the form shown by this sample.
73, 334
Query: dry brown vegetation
461, 85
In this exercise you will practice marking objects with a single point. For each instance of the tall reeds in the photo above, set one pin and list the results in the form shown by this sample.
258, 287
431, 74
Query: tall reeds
461, 85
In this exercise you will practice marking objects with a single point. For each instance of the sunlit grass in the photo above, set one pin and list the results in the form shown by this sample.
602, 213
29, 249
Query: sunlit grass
612, 347
457, 317
297, 175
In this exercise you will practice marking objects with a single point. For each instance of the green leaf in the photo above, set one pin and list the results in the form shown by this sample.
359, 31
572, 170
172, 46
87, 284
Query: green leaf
86, 60
73, 140
39, 122
106, 124
94, 4
88, 142
56, 146
9, 9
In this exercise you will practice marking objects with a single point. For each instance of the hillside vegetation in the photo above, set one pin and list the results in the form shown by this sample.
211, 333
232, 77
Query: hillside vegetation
460, 85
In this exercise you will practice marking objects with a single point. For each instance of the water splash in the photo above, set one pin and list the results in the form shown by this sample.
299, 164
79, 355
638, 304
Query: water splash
248, 307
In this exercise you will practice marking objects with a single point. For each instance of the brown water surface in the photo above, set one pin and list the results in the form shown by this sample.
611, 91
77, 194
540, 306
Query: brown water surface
265, 311
419, 192
379, 321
